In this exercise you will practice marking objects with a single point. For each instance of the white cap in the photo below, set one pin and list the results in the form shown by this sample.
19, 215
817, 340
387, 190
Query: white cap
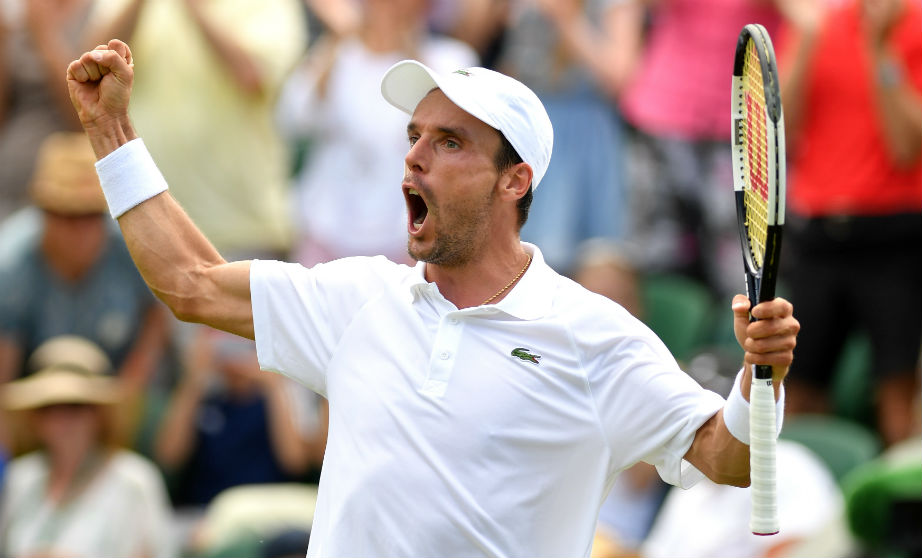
493, 98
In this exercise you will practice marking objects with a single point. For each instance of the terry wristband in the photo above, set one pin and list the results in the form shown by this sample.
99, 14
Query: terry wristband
128, 177
736, 411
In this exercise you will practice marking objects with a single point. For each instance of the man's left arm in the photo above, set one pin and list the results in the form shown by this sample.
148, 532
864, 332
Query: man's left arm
770, 340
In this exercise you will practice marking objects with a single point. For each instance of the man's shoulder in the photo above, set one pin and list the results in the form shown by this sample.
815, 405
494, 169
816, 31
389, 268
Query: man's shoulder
592, 318
575, 299
341, 266
357, 273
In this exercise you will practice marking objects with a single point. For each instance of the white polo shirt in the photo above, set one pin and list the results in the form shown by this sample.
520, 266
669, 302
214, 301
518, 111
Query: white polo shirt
489, 431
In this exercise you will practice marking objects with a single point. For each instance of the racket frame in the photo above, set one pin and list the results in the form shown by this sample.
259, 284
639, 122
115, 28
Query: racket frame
760, 282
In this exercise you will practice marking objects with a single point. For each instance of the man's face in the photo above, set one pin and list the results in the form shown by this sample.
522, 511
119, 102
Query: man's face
449, 181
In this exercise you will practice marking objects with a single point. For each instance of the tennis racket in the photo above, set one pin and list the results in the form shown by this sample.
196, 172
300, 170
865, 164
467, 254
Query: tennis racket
758, 183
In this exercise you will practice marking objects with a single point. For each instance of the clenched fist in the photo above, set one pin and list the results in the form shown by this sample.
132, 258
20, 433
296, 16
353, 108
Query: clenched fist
770, 340
99, 83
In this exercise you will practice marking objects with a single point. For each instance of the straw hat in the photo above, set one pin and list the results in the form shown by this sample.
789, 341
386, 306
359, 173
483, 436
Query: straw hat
58, 385
65, 179
70, 350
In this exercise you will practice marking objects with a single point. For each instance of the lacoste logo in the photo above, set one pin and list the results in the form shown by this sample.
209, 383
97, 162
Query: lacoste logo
462, 72
522, 353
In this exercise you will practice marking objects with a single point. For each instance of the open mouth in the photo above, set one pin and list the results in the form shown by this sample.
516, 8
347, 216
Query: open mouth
417, 209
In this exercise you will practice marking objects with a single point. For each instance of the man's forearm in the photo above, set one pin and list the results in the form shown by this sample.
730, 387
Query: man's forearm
171, 253
719, 455
168, 249
179, 264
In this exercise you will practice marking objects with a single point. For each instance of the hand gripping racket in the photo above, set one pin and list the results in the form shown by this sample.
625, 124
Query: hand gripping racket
758, 182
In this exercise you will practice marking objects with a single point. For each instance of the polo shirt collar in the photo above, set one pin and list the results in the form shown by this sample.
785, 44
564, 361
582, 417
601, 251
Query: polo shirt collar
529, 299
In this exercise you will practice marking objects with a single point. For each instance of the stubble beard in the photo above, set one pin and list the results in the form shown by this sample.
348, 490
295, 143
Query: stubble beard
463, 233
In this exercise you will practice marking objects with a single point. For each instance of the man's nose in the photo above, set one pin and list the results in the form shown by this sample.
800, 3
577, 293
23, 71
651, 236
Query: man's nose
418, 156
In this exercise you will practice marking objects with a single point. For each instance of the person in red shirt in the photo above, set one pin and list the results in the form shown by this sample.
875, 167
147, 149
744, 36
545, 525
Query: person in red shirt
851, 79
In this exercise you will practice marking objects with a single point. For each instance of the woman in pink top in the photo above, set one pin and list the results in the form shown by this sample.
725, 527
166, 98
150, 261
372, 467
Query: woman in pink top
679, 104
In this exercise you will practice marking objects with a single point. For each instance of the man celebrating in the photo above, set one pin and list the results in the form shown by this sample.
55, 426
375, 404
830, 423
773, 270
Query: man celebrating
480, 403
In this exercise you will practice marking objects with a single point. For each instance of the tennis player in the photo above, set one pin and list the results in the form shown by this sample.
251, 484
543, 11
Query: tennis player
480, 403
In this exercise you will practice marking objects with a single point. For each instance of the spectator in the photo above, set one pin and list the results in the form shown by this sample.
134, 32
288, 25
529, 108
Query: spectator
227, 424
37, 39
256, 520
852, 89
236, 53
678, 103
576, 57
78, 494
710, 521
357, 140
72, 275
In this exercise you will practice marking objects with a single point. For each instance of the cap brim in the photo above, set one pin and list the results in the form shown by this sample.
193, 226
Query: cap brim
406, 83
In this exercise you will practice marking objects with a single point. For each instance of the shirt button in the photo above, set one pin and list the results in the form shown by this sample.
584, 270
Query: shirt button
445, 355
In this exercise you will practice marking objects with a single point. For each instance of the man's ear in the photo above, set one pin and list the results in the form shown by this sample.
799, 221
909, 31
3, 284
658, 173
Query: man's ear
516, 181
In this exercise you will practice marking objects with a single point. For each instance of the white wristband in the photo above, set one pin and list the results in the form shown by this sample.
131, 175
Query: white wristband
736, 411
128, 177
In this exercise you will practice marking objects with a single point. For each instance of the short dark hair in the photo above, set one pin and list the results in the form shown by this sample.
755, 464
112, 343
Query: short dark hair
506, 157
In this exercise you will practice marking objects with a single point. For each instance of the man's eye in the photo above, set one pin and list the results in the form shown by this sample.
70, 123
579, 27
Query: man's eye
451, 144
413, 139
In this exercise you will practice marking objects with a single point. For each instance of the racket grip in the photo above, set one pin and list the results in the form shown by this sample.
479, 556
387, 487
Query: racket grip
762, 443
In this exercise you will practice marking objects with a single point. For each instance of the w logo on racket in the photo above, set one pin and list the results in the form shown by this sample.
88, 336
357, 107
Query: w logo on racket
755, 146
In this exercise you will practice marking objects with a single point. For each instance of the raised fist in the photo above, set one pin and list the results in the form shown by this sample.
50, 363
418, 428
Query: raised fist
99, 83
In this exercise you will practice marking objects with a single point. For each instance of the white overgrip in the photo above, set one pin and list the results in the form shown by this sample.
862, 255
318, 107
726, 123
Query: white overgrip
762, 434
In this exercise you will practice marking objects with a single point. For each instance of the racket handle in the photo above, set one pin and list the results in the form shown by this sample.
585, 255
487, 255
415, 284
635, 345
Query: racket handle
762, 443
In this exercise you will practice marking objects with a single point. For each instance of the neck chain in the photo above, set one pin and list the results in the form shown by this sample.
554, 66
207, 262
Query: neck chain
509, 284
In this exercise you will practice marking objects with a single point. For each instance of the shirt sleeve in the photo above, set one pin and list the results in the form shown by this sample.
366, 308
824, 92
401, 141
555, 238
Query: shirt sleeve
300, 314
649, 408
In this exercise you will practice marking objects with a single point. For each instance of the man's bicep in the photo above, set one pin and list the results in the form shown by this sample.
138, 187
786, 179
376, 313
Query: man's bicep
228, 306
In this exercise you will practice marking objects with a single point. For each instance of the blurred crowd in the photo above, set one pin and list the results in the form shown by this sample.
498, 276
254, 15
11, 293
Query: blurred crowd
124, 432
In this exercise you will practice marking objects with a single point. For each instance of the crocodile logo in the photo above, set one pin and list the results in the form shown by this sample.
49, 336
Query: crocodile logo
462, 72
522, 353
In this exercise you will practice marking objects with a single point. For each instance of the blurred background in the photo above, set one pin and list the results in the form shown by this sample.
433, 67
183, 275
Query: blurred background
267, 121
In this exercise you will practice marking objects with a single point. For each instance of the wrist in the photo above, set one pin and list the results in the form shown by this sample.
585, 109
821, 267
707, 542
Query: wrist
129, 176
736, 410
107, 135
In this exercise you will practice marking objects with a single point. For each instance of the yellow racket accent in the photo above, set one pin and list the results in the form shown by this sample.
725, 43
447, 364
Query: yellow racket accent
755, 194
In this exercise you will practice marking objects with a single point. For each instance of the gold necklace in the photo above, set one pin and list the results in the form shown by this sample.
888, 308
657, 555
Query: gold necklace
509, 284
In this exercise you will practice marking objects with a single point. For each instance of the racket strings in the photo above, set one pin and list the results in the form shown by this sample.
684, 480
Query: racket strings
756, 172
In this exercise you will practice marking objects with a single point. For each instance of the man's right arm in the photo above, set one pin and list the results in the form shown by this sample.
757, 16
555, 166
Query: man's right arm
179, 264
